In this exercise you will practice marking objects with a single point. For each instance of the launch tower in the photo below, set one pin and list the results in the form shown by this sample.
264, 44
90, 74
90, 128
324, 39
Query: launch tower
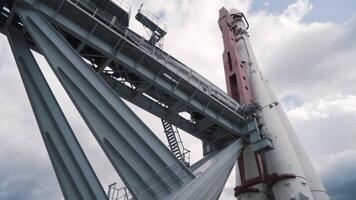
99, 61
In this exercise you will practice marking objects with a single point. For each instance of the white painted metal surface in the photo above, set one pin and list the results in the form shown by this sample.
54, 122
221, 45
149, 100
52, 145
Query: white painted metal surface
288, 156
316, 186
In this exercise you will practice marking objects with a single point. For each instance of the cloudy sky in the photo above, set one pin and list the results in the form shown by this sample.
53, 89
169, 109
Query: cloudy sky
306, 49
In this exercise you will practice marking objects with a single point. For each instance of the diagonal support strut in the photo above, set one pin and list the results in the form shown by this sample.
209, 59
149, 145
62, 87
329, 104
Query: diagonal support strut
211, 174
75, 175
147, 167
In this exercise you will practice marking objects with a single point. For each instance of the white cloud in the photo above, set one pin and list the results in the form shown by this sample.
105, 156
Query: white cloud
310, 59
298, 10
329, 162
327, 129
314, 61
325, 108
327, 126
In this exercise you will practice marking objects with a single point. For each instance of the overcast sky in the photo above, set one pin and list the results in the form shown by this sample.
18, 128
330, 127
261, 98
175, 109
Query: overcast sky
306, 49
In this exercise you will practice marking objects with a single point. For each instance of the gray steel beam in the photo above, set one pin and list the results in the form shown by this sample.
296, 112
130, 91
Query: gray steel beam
170, 115
10, 17
75, 175
102, 65
147, 167
202, 125
140, 90
202, 161
111, 52
148, 105
175, 109
211, 174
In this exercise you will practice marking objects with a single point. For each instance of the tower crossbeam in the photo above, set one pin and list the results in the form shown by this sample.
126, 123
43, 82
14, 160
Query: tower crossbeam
99, 62
144, 74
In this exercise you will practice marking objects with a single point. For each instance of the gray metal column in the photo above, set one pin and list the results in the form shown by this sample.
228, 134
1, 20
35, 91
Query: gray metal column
211, 174
148, 168
76, 177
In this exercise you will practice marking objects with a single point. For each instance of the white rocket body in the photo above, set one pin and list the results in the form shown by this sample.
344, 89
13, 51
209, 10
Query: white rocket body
316, 187
251, 171
288, 155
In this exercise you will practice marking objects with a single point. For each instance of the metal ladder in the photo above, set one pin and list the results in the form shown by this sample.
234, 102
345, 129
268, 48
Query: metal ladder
175, 143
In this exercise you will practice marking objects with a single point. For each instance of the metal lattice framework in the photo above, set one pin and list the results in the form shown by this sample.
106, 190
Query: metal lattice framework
99, 61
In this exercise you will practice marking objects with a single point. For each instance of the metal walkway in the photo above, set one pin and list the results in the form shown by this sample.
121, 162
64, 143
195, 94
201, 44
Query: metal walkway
154, 25
97, 60
165, 89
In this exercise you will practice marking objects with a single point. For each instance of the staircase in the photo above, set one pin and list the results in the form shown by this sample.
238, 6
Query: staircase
115, 193
175, 143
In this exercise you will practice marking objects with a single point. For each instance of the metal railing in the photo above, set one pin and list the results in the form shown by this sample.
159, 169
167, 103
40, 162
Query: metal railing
184, 152
186, 157
165, 59
174, 140
155, 19
123, 4
115, 193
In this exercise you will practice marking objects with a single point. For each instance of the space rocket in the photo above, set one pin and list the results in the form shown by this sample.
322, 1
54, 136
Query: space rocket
274, 164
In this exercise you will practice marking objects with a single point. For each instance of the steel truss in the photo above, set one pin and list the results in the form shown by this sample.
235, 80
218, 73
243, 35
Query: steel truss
95, 71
